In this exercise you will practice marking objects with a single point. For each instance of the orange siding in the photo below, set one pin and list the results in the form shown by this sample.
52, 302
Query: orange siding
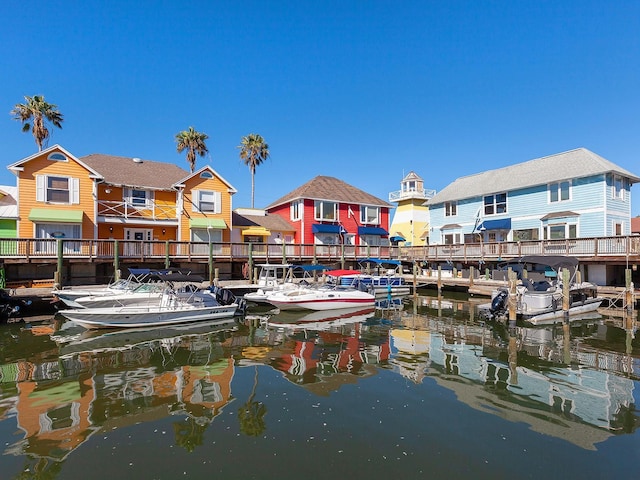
211, 184
27, 192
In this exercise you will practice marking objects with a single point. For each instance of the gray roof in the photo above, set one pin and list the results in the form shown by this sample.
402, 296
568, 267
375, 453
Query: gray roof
331, 189
124, 171
576, 163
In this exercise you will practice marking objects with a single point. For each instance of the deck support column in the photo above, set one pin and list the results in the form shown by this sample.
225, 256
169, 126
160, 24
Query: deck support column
58, 276
116, 260
211, 277
513, 297
565, 294
167, 255
628, 291
439, 280
250, 262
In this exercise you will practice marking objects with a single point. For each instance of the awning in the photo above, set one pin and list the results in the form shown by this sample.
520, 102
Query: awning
325, 228
397, 238
256, 231
565, 214
55, 216
498, 224
372, 231
207, 222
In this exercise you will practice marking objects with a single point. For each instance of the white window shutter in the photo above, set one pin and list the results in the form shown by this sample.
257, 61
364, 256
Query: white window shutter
40, 194
195, 200
218, 202
75, 190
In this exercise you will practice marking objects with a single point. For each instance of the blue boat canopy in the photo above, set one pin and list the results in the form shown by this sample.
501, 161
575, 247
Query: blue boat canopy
325, 228
372, 231
379, 261
498, 224
311, 268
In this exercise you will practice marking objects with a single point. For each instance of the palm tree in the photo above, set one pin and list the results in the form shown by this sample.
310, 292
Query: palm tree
194, 143
33, 114
253, 151
251, 414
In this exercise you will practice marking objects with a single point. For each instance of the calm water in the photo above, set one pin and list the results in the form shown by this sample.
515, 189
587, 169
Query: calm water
428, 391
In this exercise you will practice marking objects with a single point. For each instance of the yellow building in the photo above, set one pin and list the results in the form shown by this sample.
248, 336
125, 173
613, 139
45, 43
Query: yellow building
411, 218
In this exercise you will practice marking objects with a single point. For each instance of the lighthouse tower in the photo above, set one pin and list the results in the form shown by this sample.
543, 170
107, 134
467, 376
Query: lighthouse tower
411, 218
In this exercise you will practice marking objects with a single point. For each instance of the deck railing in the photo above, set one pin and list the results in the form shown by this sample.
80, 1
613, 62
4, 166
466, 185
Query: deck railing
151, 210
31, 248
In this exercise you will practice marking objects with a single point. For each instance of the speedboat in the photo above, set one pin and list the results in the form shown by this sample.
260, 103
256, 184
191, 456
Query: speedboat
378, 276
541, 301
170, 309
325, 297
291, 280
137, 276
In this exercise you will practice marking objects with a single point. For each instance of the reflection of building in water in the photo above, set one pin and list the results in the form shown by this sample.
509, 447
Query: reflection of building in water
59, 405
322, 361
577, 403
410, 352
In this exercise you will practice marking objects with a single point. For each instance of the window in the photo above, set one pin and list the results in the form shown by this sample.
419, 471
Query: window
56, 189
136, 197
618, 228
495, 204
373, 240
409, 186
57, 157
369, 214
295, 210
206, 201
206, 174
560, 231
526, 235
326, 210
450, 209
451, 238
559, 192
618, 187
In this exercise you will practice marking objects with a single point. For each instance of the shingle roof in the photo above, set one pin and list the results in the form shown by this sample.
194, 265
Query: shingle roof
125, 171
8, 203
270, 222
331, 189
576, 163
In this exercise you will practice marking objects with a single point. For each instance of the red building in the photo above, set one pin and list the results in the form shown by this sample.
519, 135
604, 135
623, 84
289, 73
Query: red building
328, 211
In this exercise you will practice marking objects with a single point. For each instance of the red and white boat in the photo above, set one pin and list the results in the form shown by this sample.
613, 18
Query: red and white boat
320, 298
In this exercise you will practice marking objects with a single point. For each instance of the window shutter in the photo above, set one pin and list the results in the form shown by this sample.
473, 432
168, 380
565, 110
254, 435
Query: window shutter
195, 200
75, 190
217, 202
40, 196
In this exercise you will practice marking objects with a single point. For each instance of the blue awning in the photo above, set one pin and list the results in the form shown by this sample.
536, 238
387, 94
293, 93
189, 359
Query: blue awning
498, 224
325, 228
372, 231
397, 238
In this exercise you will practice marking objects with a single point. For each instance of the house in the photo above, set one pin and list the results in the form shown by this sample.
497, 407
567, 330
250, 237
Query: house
8, 211
567, 195
257, 226
328, 211
411, 217
109, 197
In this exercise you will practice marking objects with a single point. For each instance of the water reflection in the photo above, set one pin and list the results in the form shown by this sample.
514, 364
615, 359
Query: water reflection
62, 385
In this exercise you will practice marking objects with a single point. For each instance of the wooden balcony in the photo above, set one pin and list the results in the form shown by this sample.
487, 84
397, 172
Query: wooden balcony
151, 210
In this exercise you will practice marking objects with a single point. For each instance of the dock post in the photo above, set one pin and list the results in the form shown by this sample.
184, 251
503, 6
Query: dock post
565, 294
216, 276
167, 255
628, 291
60, 261
471, 271
415, 282
342, 256
439, 280
513, 297
250, 262
211, 264
116, 260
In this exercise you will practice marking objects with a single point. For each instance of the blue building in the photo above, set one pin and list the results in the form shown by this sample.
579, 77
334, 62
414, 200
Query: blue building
575, 194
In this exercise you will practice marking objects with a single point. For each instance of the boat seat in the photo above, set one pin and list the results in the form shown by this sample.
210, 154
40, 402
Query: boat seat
541, 286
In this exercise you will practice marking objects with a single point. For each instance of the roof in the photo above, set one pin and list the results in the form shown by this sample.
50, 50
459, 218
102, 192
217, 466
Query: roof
271, 222
635, 225
331, 189
127, 171
8, 203
578, 163
412, 176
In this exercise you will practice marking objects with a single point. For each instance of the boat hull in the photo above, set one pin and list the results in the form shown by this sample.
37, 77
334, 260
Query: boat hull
320, 299
142, 316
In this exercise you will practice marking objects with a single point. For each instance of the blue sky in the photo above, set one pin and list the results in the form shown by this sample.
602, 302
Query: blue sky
361, 90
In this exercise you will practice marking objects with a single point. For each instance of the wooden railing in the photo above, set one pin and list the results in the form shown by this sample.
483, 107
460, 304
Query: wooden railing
30, 249
151, 210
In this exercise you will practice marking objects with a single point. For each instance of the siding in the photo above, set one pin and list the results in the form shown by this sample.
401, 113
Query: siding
214, 184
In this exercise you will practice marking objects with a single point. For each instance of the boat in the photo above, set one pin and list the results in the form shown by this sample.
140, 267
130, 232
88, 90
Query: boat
269, 275
291, 280
137, 276
170, 309
324, 297
541, 301
378, 276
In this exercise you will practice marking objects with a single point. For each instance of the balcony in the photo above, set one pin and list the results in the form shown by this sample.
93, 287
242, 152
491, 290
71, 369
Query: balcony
150, 210
418, 193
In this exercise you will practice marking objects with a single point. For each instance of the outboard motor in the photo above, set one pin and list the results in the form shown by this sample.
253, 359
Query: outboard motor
499, 303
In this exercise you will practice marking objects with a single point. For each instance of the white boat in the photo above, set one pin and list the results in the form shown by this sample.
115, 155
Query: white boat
326, 297
269, 276
378, 276
170, 309
291, 280
137, 276
542, 301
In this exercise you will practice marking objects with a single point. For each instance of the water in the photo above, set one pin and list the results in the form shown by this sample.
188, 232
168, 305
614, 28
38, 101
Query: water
428, 391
